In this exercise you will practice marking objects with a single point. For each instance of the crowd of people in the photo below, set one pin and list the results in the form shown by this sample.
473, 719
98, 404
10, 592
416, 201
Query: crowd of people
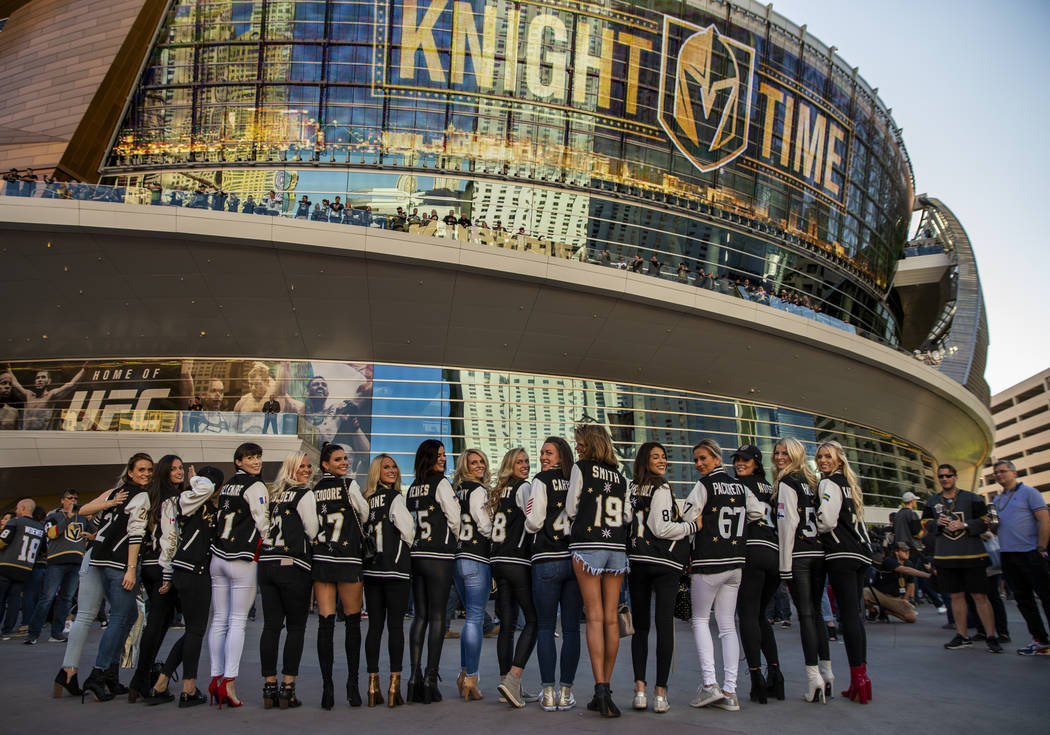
576, 538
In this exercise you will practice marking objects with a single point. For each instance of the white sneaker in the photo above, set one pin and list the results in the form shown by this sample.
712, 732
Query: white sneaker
706, 695
660, 704
68, 626
640, 701
942, 609
729, 702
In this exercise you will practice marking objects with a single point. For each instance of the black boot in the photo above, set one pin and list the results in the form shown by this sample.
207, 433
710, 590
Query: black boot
270, 695
758, 686
774, 682
593, 704
352, 644
430, 688
95, 685
287, 699
325, 633
67, 682
113, 682
415, 686
327, 695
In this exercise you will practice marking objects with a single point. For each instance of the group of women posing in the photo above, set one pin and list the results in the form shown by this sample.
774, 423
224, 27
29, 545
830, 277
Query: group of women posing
566, 539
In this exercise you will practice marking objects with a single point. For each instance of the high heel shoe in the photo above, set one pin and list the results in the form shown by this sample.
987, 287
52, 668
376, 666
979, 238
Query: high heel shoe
134, 695
393, 695
270, 698
459, 681
774, 682
470, 689
67, 682
327, 695
223, 694
430, 688
213, 689
606, 706
758, 686
95, 685
859, 685
375, 695
110, 677
415, 686
192, 700
287, 699
828, 677
353, 692
814, 686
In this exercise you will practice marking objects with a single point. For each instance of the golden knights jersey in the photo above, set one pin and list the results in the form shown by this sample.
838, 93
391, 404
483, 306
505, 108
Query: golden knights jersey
720, 541
339, 537
69, 542
645, 546
287, 538
393, 560
806, 541
848, 540
434, 539
21, 540
472, 543
602, 511
120, 527
552, 540
761, 533
237, 536
511, 543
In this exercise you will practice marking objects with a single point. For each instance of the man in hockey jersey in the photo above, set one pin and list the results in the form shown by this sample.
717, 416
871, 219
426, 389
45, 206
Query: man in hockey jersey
19, 543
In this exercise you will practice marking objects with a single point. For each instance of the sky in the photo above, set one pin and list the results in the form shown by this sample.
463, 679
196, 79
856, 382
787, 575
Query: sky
967, 82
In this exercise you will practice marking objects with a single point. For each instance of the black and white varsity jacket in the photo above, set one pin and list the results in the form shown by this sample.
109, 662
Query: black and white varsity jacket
293, 527
658, 534
841, 532
392, 527
511, 543
120, 527
186, 544
598, 507
546, 517
434, 507
723, 505
242, 521
796, 522
339, 536
475, 525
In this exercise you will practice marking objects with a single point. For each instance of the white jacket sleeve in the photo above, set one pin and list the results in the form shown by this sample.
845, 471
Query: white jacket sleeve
521, 497
138, 513
446, 498
307, 510
357, 499
536, 508
830, 505
402, 519
694, 503
201, 488
756, 509
787, 522
168, 529
660, 515
572, 500
479, 511
258, 500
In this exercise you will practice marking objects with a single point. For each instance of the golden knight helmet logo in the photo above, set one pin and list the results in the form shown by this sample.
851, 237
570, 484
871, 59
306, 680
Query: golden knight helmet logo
705, 98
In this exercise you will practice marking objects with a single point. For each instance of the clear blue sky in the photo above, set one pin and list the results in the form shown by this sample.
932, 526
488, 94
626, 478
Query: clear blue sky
968, 81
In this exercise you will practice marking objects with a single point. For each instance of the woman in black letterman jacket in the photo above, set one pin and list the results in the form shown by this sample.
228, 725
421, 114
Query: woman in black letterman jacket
759, 580
473, 575
393, 530
185, 558
598, 507
435, 509
847, 553
512, 571
554, 583
659, 553
169, 480
241, 525
341, 511
802, 560
285, 581
110, 570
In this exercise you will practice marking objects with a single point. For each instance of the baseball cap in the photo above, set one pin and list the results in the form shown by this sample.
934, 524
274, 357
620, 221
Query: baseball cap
748, 451
909, 496
901, 546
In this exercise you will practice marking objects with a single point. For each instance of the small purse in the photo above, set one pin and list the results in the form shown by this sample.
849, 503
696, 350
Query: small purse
368, 542
625, 621
683, 603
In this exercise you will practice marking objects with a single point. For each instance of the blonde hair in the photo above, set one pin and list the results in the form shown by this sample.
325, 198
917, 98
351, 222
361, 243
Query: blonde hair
597, 444
797, 453
286, 475
838, 454
372, 481
462, 473
711, 446
503, 477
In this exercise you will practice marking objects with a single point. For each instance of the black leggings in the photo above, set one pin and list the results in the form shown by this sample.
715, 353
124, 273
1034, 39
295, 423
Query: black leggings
758, 584
160, 612
431, 584
514, 591
807, 590
195, 593
643, 582
387, 603
286, 603
847, 582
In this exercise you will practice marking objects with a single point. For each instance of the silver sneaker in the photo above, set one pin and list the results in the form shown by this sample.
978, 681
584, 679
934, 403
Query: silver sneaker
566, 699
660, 704
707, 695
728, 702
510, 688
640, 701
549, 699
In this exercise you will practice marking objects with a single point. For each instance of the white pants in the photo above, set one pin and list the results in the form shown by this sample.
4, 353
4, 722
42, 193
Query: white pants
233, 588
718, 591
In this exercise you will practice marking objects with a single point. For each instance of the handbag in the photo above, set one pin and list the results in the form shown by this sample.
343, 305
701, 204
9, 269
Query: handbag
368, 541
683, 603
625, 621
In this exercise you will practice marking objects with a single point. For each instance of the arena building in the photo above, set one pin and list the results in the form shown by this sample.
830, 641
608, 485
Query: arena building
477, 221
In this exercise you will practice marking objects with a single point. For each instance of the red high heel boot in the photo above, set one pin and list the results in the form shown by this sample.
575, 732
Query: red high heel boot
213, 689
859, 684
224, 695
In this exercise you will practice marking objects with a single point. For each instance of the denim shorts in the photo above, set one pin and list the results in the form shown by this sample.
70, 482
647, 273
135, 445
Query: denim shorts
602, 561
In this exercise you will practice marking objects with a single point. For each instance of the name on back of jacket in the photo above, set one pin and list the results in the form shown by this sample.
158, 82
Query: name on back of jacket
418, 491
232, 490
601, 473
285, 496
726, 488
329, 493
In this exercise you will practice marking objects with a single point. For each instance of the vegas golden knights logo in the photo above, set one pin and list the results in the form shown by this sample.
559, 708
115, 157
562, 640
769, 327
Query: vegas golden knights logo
705, 96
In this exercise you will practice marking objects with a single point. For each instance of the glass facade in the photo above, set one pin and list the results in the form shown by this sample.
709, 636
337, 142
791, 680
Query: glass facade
372, 408
701, 135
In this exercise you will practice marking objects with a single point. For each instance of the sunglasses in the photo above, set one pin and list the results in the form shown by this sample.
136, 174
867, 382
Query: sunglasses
944, 477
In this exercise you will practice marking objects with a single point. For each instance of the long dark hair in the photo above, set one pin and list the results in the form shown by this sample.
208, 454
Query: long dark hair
161, 487
426, 458
564, 455
642, 474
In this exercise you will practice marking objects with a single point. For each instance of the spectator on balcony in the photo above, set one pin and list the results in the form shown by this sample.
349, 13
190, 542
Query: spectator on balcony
683, 272
636, 263
366, 216
11, 186
249, 205
414, 218
319, 214
399, 221
464, 221
434, 215
335, 211
200, 199
271, 408
604, 257
196, 404
654, 265
232, 202
450, 219
28, 183
302, 208
483, 224
761, 296
218, 200
498, 227
270, 204
701, 279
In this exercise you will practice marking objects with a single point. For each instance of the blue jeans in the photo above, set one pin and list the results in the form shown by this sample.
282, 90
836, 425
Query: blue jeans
61, 579
32, 592
473, 580
553, 584
96, 583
